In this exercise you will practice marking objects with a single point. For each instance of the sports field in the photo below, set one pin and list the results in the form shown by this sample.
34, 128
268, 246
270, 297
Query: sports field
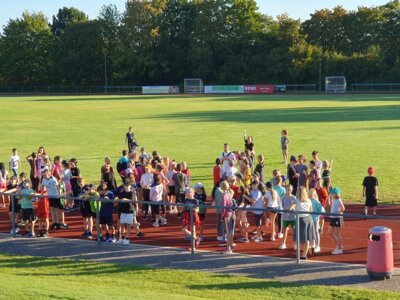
356, 131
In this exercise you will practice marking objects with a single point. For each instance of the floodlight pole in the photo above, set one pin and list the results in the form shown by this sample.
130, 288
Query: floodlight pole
320, 74
105, 74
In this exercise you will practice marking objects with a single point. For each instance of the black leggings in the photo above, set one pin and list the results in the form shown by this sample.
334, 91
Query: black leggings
146, 197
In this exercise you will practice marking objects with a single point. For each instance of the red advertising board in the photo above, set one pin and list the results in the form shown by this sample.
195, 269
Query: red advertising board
258, 89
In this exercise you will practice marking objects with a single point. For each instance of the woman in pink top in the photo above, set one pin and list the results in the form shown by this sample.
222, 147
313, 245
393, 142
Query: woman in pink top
228, 215
156, 194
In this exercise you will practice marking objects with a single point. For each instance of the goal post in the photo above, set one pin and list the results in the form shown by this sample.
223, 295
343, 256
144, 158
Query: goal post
193, 86
335, 84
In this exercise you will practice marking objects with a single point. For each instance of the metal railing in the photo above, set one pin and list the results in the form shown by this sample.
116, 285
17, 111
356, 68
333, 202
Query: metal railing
191, 210
375, 87
70, 90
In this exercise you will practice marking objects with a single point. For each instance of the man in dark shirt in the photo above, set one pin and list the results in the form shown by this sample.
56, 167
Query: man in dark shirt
130, 139
302, 171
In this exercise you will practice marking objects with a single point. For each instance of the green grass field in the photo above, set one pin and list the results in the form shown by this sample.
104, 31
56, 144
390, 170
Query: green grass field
356, 131
40, 278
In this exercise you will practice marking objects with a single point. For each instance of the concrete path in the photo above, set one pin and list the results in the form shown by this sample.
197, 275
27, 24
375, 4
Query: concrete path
284, 270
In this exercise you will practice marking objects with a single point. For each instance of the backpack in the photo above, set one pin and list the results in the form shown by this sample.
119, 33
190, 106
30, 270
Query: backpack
121, 166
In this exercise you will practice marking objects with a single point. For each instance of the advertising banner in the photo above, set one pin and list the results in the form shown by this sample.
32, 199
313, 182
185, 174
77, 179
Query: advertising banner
160, 90
224, 89
258, 89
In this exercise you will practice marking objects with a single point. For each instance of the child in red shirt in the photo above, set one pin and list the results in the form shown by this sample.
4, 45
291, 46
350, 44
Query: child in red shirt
323, 199
43, 214
217, 171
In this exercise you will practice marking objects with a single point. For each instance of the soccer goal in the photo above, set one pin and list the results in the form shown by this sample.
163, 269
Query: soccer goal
193, 86
335, 84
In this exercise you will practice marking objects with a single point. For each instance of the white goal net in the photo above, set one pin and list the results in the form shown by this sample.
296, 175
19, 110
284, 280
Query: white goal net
193, 86
335, 84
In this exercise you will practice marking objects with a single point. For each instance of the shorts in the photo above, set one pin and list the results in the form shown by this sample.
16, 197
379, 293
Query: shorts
17, 207
292, 224
56, 203
171, 190
180, 197
86, 210
68, 186
28, 214
337, 222
258, 219
106, 220
126, 219
155, 209
202, 217
186, 220
43, 214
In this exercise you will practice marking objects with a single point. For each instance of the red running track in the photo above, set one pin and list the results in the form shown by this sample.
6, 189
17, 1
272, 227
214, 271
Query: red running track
355, 235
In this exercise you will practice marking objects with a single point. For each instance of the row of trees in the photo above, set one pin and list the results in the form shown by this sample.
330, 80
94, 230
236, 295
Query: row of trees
220, 41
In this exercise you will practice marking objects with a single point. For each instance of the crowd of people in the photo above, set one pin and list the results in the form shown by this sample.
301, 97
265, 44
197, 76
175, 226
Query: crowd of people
240, 188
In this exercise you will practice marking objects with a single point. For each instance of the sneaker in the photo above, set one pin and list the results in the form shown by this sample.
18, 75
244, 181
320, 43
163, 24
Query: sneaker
222, 245
258, 240
113, 240
201, 238
273, 238
25, 234
68, 209
22, 223
254, 237
317, 249
140, 234
30, 235
337, 252
58, 226
40, 234
89, 236
233, 244
85, 234
187, 238
46, 234
155, 224
119, 241
145, 218
16, 230
125, 242
53, 226
220, 238
64, 226
280, 235
163, 223
244, 240
282, 247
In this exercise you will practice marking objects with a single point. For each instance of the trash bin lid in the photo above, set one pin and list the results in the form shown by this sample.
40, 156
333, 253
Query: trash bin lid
379, 229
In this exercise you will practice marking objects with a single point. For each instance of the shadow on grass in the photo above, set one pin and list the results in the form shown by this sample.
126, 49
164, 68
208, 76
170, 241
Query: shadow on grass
309, 114
66, 267
257, 285
111, 98
309, 98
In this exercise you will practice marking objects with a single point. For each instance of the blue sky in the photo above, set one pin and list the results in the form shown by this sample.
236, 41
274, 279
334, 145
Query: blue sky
295, 8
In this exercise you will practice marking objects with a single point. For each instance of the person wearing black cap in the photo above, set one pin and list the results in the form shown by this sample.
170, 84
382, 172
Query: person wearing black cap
291, 174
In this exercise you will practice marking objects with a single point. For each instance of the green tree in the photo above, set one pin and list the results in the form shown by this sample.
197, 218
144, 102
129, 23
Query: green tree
66, 16
79, 55
25, 50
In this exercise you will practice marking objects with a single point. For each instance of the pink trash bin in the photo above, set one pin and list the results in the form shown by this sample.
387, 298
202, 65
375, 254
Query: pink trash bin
380, 262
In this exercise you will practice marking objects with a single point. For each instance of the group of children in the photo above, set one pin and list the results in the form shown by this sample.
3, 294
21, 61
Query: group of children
240, 185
